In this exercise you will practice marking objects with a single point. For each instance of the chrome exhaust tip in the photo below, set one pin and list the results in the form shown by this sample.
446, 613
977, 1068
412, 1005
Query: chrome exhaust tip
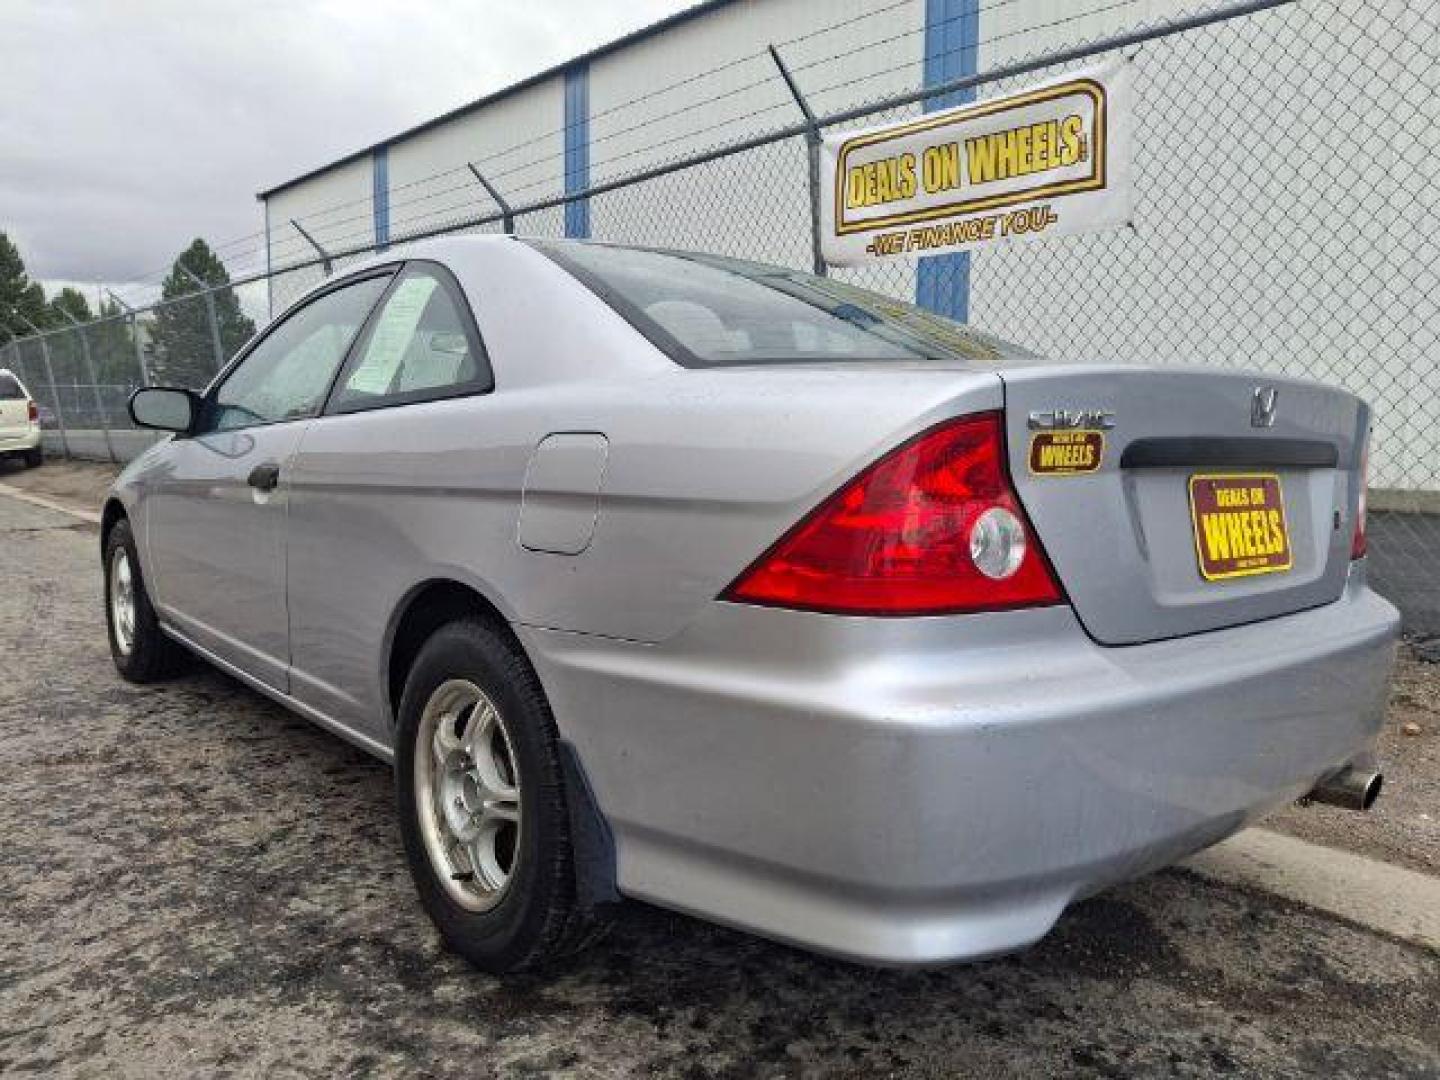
1350, 788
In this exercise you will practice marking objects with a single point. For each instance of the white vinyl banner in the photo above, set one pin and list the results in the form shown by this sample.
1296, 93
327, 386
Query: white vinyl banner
1054, 158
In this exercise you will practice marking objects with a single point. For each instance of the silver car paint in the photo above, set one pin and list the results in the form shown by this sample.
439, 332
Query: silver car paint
922, 790
895, 790
215, 546
1121, 539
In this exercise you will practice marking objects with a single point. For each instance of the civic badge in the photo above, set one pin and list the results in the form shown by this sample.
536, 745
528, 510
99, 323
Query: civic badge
1068, 442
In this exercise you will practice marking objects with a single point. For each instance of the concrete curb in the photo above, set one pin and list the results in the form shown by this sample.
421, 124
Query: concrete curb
1376, 895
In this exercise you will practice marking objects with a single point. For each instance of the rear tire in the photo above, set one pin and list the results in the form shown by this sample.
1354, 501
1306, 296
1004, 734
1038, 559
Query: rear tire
34, 458
140, 649
482, 804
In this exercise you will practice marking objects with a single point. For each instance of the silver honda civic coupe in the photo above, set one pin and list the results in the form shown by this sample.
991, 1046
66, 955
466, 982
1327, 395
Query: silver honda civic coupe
757, 595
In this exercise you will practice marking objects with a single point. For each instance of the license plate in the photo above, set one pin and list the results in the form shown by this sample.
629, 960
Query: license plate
1239, 523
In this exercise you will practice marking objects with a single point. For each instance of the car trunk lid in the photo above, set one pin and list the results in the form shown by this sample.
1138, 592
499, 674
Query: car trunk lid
1154, 493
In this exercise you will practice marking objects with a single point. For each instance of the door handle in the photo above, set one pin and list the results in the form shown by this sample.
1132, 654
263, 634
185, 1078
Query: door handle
264, 477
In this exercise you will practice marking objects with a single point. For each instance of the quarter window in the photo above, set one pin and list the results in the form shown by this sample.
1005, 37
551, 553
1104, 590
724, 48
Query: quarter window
421, 346
286, 375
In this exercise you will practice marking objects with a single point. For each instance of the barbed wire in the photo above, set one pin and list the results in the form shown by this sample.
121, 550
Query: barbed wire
768, 80
785, 104
399, 236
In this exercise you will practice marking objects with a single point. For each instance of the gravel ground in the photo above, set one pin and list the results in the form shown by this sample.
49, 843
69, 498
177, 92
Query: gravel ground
77, 483
1404, 825
1404, 548
195, 881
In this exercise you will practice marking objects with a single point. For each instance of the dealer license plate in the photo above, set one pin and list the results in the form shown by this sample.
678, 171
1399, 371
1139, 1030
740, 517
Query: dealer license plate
1239, 523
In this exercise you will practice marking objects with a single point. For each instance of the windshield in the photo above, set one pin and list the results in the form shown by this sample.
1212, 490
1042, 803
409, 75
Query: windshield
709, 311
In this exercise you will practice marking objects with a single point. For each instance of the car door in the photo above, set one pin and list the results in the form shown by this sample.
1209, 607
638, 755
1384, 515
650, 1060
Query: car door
216, 518
398, 455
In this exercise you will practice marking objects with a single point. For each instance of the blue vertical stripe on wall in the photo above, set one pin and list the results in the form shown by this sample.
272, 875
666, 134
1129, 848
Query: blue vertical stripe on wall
381, 162
952, 32
577, 149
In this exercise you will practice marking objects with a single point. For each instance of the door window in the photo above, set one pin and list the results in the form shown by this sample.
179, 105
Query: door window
286, 375
422, 345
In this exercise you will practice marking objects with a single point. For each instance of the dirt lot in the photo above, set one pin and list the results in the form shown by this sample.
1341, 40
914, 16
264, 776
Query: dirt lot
1404, 826
76, 483
196, 882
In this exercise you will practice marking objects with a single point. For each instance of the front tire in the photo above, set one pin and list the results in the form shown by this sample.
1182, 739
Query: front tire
482, 803
140, 649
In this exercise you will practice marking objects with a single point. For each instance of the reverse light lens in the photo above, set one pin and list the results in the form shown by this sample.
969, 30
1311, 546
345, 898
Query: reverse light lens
934, 527
997, 543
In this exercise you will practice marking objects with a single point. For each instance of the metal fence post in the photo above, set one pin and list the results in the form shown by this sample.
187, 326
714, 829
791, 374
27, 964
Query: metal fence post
135, 333
812, 154
210, 313
324, 255
507, 216
54, 387
94, 383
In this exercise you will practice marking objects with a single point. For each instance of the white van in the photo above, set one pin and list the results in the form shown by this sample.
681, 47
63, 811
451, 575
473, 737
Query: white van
19, 420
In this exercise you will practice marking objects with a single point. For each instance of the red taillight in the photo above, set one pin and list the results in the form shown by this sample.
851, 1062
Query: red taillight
933, 527
34, 411
1358, 542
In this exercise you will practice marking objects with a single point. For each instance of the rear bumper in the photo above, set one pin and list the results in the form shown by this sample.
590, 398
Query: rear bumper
13, 441
929, 790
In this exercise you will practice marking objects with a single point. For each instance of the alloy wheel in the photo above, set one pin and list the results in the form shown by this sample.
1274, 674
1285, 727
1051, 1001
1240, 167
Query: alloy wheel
468, 794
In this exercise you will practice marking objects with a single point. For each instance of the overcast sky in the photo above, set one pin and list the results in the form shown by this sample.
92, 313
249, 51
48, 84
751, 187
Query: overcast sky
131, 126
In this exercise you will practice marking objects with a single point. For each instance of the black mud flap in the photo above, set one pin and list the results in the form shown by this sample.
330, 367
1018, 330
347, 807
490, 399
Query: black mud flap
590, 837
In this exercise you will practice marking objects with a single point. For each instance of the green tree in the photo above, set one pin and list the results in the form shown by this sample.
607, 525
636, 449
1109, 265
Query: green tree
182, 346
67, 357
18, 294
73, 302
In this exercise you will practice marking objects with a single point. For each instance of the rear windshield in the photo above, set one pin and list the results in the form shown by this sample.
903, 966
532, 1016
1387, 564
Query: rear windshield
708, 311
10, 388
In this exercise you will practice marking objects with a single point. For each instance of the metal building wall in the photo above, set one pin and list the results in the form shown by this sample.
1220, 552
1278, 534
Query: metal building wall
762, 196
520, 140
1256, 243
516, 142
1214, 270
336, 207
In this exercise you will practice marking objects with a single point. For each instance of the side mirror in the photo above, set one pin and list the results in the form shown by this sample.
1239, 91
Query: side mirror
164, 408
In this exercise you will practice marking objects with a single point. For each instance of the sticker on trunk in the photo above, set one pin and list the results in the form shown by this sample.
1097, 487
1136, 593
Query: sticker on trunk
1066, 453
1239, 523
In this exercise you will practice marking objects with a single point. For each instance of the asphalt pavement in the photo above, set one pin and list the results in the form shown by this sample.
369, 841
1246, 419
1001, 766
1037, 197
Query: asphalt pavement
195, 882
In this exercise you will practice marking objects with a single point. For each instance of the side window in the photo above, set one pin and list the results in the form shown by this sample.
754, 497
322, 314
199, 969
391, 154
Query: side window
10, 388
421, 346
285, 376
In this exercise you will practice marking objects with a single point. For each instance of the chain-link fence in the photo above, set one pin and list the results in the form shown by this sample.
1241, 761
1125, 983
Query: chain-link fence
1285, 161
